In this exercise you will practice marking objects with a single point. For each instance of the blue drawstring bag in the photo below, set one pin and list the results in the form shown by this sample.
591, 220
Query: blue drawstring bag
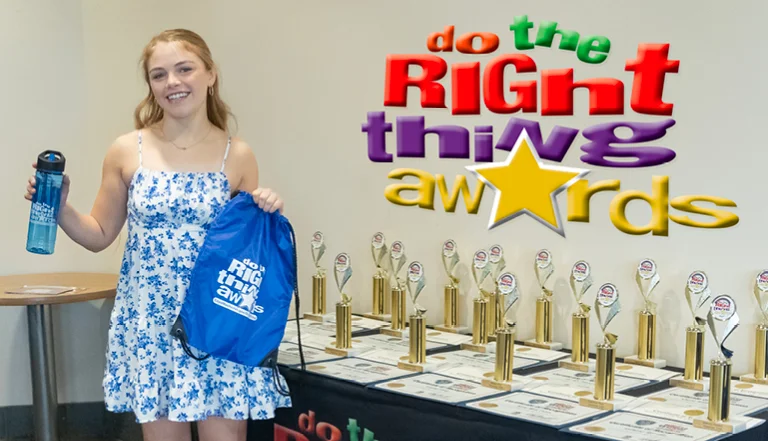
237, 304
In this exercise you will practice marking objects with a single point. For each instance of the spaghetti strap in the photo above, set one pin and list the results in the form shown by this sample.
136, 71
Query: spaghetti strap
140, 161
226, 153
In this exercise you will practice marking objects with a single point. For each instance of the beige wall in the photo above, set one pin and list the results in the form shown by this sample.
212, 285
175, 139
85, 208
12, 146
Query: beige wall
302, 77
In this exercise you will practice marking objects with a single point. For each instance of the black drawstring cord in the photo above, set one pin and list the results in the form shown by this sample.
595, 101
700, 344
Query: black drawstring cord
275, 370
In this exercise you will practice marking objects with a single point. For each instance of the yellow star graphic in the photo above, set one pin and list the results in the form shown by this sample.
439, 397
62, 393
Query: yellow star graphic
523, 184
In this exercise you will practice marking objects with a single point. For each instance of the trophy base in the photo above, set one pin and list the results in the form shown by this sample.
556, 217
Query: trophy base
751, 379
504, 386
733, 425
381, 317
398, 333
345, 352
654, 363
682, 383
453, 329
321, 318
488, 348
552, 346
418, 367
617, 403
581, 367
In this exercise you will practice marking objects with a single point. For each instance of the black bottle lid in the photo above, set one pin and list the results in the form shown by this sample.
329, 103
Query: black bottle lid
51, 160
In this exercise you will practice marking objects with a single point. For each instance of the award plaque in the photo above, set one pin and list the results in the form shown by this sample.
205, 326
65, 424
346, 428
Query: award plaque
696, 294
604, 398
318, 313
496, 308
501, 377
481, 303
343, 344
647, 279
544, 268
380, 279
417, 332
760, 376
396, 262
722, 320
580, 281
450, 258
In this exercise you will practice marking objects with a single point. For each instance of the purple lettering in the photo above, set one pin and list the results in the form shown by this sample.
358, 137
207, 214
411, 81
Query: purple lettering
453, 140
602, 136
377, 128
557, 145
483, 143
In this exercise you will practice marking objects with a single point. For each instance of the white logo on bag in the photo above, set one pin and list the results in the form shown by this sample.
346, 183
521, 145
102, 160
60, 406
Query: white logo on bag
239, 288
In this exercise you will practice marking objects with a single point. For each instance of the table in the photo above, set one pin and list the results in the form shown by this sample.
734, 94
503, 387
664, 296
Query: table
330, 409
90, 286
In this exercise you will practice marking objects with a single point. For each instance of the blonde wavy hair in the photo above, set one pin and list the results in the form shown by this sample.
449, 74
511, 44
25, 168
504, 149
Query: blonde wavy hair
149, 112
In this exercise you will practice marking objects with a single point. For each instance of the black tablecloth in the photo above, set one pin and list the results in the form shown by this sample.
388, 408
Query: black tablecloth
334, 410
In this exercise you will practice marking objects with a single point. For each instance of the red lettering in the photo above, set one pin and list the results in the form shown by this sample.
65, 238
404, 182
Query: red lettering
465, 93
447, 40
307, 423
397, 80
284, 434
493, 85
489, 42
650, 67
327, 432
606, 95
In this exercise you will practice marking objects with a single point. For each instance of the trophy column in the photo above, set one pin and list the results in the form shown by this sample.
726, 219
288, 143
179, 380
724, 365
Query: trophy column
696, 294
544, 268
501, 378
417, 360
760, 375
396, 261
722, 320
379, 280
647, 278
480, 307
604, 398
318, 313
496, 305
450, 257
580, 282
343, 345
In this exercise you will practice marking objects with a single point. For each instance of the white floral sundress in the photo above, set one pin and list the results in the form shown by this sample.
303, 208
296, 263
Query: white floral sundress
147, 370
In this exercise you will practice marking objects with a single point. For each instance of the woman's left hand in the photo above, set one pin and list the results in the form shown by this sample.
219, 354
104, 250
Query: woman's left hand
267, 200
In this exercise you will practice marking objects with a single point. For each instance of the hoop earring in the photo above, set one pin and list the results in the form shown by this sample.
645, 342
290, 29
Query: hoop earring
210, 91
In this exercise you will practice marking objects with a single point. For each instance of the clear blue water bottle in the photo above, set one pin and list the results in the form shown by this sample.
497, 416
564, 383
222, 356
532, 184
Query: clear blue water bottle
44, 213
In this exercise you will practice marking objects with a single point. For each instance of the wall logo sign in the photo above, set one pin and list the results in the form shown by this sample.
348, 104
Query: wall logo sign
530, 177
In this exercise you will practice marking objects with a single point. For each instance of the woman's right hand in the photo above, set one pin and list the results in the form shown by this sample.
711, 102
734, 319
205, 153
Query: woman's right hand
31, 187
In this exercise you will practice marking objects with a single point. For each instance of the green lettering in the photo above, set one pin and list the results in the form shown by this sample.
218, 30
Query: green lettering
569, 40
353, 429
520, 26
598, 44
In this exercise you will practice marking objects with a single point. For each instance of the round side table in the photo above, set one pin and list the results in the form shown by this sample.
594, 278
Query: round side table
88, 286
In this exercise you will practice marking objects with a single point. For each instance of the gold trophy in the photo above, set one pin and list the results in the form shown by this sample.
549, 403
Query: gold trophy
760, 376
416, 361
647, 279
544, 268
318, 313
580, 281
501, 377
496, 306
343, 344
480, 306
396, 261
719, 418
450, 258
380, 279
696, 294
604, 397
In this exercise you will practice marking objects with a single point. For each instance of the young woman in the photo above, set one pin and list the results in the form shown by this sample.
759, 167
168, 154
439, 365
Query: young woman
169, 178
